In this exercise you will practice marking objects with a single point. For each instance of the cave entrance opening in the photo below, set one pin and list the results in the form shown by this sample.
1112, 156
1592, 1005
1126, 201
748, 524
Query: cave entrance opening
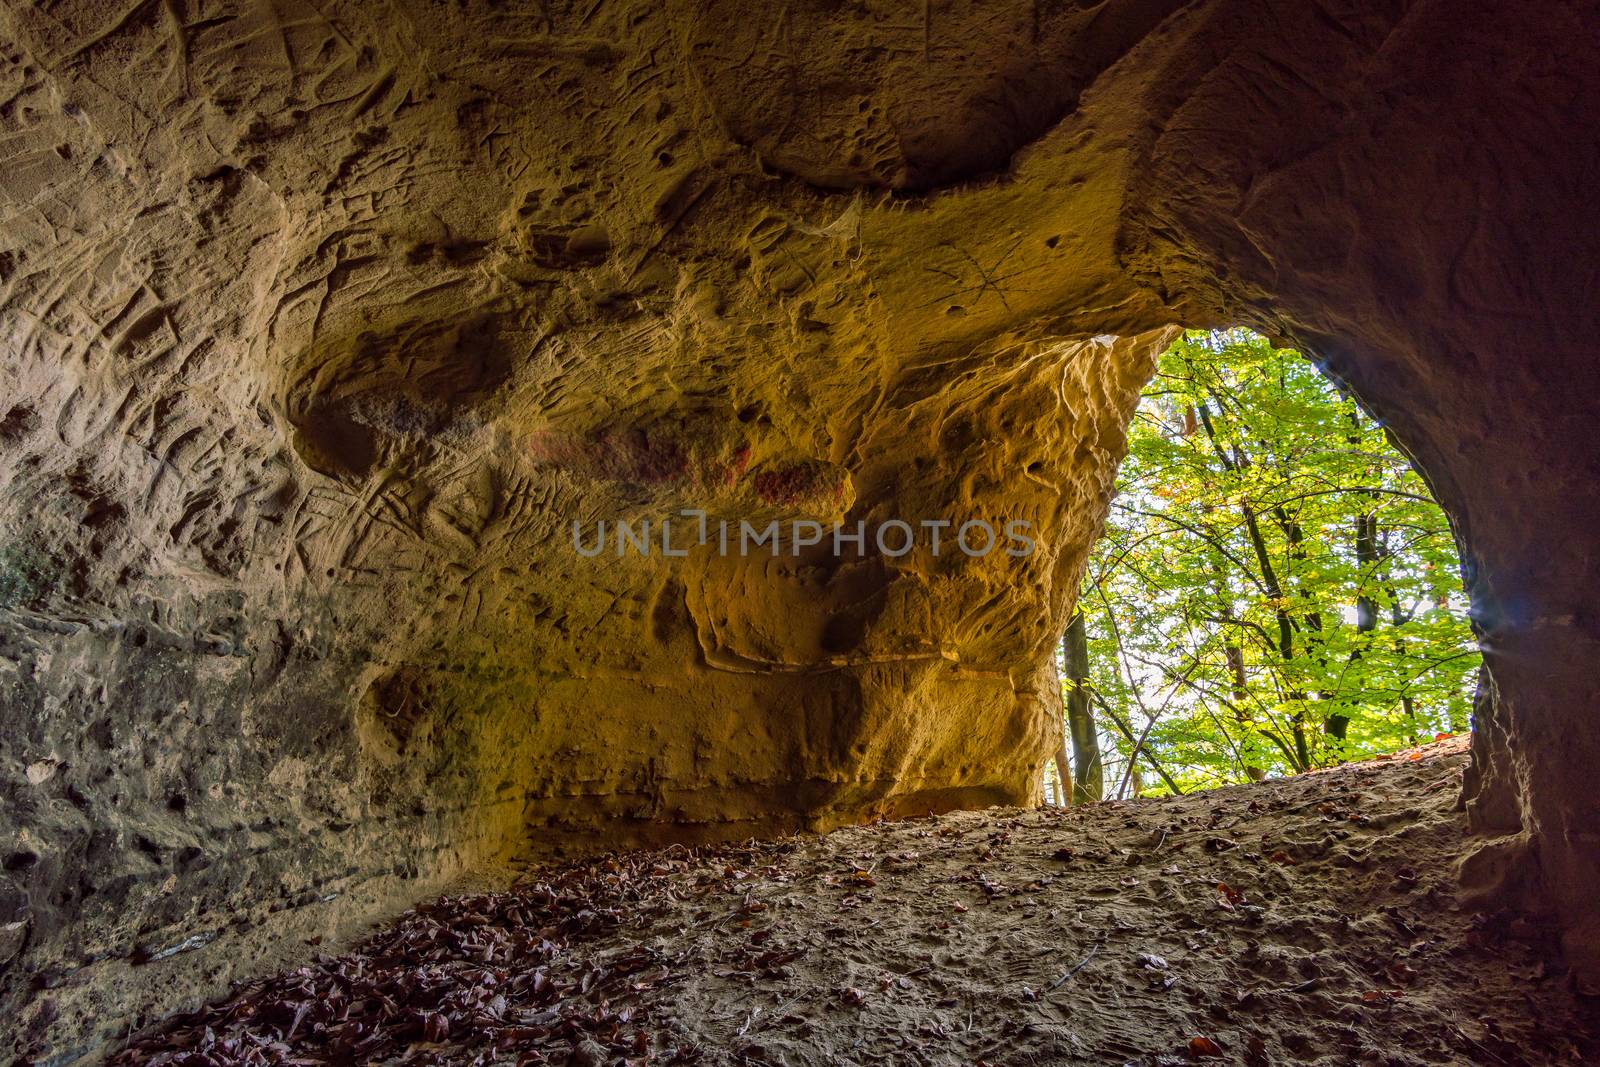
1275, 590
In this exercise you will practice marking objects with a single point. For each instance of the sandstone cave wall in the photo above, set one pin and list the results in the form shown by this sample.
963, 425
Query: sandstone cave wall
323, 323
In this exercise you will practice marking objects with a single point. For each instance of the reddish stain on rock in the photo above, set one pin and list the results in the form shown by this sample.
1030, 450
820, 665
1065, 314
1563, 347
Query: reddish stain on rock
786, 485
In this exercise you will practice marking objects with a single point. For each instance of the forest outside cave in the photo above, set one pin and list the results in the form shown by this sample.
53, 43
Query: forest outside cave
1276, 590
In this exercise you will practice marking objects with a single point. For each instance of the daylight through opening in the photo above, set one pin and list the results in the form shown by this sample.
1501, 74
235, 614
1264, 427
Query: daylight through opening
1275, 591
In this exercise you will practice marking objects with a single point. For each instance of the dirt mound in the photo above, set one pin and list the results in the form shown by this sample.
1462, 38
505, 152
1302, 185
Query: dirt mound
1306, 921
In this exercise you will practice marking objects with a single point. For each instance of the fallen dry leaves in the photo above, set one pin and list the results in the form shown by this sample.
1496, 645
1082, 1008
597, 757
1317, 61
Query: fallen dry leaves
496, 971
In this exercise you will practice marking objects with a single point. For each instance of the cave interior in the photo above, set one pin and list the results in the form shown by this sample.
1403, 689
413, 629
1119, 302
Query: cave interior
323, 323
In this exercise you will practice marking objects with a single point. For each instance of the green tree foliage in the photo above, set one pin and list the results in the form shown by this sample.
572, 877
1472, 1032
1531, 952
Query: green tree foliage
1276, 590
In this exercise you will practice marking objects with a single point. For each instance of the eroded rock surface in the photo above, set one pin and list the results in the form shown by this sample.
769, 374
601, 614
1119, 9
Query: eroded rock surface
323, 323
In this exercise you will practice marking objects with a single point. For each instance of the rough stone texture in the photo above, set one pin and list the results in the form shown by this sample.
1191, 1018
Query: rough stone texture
322, 323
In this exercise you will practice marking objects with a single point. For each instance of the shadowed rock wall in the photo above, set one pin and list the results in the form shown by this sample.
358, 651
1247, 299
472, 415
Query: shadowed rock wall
323, 324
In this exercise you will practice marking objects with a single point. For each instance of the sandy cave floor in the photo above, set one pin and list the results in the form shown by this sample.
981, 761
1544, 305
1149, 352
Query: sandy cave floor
1302, 921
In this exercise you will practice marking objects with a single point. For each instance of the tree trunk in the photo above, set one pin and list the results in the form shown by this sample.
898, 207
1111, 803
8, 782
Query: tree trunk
1269, 580
1063, 773
1233, 651
1398, 617
1088, 773
1366, 545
